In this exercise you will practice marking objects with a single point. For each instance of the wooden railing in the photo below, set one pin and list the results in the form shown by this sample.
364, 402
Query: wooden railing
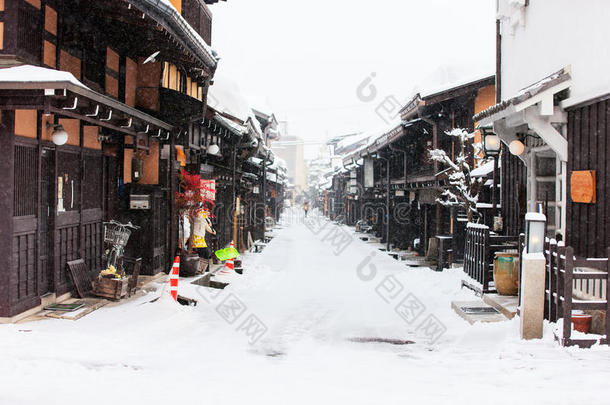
567, 277
479, 252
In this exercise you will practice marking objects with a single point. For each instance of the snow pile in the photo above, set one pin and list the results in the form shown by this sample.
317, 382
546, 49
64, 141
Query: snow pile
312, 296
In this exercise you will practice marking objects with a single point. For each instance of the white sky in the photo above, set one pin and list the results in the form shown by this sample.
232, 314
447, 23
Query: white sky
306, 59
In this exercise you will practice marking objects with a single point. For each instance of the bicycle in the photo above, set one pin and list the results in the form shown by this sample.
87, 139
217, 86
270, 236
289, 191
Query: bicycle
116, 235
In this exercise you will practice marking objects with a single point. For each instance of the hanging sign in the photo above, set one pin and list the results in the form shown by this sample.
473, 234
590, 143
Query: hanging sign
582, 186
369, 173
208, 189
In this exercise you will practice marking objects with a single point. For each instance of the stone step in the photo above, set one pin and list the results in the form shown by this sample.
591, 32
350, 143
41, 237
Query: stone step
477, 311
506, 304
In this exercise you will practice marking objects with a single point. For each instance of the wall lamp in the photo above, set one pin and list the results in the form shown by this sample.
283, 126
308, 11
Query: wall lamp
59, 135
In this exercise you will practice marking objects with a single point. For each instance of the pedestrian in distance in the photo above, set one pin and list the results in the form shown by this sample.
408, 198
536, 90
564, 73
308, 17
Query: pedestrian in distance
306, 208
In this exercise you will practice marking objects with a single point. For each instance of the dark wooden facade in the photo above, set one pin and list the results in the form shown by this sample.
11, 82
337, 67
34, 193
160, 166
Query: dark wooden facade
55, 198
588, 225
513, 192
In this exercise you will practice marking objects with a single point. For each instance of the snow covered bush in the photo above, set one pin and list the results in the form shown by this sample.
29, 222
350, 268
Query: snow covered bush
463, 190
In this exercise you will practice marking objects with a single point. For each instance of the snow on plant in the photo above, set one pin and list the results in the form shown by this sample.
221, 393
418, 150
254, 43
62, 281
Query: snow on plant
463, 189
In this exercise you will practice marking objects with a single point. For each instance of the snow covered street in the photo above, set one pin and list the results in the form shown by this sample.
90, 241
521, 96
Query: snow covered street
287, 332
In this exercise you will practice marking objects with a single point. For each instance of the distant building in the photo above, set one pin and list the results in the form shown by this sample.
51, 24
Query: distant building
292, 151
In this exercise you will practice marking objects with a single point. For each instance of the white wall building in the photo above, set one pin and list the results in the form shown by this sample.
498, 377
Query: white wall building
554, 84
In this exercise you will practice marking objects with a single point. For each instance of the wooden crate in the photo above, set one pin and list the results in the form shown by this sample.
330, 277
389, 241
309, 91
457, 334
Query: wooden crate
111, 288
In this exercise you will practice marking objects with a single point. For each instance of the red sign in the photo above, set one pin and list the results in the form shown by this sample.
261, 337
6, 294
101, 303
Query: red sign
208, 189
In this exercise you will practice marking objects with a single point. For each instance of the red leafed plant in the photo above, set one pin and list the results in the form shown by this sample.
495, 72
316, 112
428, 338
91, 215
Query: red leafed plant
190, 199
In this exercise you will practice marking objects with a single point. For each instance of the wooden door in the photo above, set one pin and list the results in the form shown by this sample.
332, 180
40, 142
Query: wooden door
46, 220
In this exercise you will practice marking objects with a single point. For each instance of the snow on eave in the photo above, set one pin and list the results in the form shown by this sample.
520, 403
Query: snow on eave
167, 8
456, 85
37, 74
437, 88
230, 124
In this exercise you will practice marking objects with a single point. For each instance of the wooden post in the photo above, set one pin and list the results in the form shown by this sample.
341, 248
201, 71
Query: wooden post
7, 168
235, 210
608, 296
173, 245
567, 294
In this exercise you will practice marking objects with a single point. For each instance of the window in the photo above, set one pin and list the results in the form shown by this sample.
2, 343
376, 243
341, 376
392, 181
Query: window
25, 197
165, 80
68, 181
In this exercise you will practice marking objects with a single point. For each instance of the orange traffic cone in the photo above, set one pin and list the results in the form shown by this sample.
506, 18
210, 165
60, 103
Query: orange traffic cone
174, 276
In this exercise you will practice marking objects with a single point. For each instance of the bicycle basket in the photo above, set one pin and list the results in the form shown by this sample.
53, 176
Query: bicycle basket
116, 235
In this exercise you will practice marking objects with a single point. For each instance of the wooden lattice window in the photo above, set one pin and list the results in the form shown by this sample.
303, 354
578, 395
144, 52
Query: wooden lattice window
29, 30
25, 196
92, 185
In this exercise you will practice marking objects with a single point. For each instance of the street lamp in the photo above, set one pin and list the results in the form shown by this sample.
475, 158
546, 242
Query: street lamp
214, 149
59, 135
491, 147
516, 147
535, 224
491, 142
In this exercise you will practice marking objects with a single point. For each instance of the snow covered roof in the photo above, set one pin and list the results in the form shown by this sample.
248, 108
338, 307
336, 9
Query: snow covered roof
232, 125
175, 22
37, 74
352, 142
226, 98
557, 78
456, 84
279, 164
28, 77
445, 80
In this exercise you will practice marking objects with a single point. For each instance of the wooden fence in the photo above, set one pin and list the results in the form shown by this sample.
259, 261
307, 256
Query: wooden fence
575, 283
479, 253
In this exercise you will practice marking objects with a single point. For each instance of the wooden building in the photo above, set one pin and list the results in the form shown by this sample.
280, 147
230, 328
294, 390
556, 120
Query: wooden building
122, 83
400, 184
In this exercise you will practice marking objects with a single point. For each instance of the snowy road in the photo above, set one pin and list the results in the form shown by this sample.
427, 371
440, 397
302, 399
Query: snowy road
302, 302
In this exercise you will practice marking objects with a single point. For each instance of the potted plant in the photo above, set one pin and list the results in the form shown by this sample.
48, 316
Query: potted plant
189, 200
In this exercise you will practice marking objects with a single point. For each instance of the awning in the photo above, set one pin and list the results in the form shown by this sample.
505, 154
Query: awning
557, 81
533, 106
61, 93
